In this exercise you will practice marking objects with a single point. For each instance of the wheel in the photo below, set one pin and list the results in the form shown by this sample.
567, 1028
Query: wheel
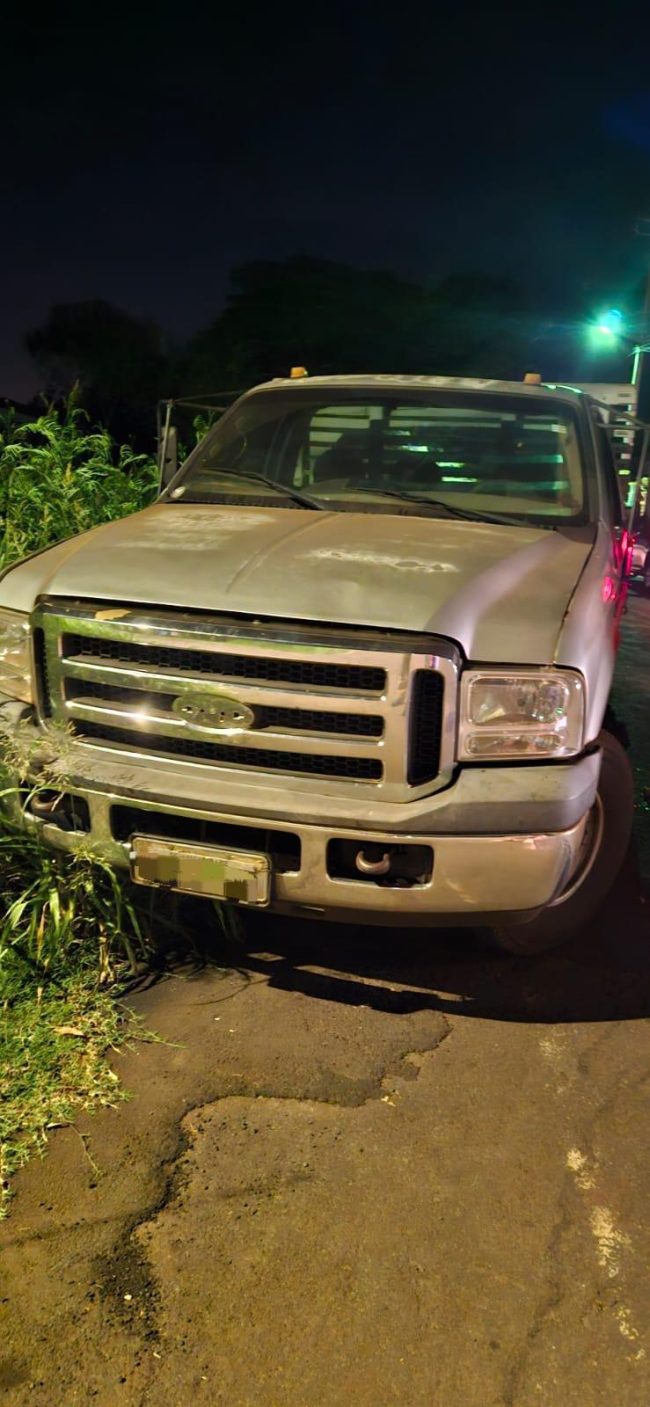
646, 574
603, 849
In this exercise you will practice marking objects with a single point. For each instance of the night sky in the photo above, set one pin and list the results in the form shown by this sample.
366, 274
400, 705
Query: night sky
145, 153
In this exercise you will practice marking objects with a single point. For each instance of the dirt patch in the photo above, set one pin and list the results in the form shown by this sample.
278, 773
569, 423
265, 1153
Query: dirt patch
127, 1285
13, 1372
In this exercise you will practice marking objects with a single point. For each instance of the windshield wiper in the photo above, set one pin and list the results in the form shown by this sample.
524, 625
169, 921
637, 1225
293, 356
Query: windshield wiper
303, 499
433, 503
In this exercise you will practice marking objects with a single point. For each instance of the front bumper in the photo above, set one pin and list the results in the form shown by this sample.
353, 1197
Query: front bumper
504, 840
473, 878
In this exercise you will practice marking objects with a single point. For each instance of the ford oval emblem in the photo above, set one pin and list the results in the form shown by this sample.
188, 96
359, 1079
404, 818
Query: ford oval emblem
212, 713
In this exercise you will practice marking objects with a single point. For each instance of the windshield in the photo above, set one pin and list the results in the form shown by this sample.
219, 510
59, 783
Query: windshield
515, 457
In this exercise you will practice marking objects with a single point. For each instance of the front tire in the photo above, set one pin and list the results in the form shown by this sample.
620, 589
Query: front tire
605, 843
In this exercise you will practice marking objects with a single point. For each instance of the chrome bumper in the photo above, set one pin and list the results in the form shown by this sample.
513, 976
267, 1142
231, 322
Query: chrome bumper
473, 876
505, 840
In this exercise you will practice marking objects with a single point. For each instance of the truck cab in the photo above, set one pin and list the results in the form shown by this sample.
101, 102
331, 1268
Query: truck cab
353, 663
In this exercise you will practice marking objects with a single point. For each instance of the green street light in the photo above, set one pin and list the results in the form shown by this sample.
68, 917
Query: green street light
608, 330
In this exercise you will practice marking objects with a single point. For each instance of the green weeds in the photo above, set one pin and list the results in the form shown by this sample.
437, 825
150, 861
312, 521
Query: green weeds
69, 928
60, 477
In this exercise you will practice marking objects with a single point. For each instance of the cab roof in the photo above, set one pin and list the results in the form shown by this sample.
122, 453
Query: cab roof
371, 382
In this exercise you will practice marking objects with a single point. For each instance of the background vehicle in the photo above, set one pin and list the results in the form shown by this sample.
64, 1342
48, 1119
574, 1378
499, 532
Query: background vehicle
641, 562
355, 661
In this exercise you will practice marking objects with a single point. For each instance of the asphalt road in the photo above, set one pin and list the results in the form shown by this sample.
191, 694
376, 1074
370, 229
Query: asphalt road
366, 1168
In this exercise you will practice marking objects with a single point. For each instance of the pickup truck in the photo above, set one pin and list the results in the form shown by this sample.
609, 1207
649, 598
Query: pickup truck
354, 663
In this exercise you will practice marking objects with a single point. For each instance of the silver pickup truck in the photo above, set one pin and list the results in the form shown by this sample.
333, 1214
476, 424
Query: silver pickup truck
353, 663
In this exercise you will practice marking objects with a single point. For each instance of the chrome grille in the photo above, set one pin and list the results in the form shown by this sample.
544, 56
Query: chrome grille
364, 725
368, 708
229, 666
367, 768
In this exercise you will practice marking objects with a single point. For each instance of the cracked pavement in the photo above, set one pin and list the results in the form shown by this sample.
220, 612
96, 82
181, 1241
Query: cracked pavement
365, 1167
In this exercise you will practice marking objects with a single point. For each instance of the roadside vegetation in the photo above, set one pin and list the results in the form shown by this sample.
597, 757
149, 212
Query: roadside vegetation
70, 933
60, 476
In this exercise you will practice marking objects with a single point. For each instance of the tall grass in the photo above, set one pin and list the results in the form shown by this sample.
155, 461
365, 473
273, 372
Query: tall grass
69, 927
69, 930
62, 910
60, 476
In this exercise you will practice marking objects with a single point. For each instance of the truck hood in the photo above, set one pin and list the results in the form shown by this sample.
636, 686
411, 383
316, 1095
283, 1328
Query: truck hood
500, 592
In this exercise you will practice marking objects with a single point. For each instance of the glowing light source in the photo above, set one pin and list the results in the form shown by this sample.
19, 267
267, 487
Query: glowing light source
608, 328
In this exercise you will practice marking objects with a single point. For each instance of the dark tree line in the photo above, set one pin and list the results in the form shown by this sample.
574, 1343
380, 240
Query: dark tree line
326, 316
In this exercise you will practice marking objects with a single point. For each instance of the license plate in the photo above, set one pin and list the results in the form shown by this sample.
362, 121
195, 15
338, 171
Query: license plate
210, 870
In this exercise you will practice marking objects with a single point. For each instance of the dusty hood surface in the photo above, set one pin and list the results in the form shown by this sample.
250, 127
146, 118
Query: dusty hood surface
500, 592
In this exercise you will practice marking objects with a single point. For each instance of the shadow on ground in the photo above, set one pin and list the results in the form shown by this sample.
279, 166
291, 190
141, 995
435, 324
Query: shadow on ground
602, 975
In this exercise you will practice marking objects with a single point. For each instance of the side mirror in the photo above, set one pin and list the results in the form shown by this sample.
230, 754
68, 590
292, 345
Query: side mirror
168, 456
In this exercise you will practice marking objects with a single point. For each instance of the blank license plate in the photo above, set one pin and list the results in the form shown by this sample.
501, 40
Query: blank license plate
210, 870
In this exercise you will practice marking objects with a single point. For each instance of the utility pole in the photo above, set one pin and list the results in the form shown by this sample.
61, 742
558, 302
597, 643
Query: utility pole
640, 363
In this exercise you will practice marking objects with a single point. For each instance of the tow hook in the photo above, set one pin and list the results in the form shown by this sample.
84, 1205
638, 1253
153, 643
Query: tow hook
45, 807
393, 866
367, 866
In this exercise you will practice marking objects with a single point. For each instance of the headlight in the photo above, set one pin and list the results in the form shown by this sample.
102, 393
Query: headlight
523, 713
15, 662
